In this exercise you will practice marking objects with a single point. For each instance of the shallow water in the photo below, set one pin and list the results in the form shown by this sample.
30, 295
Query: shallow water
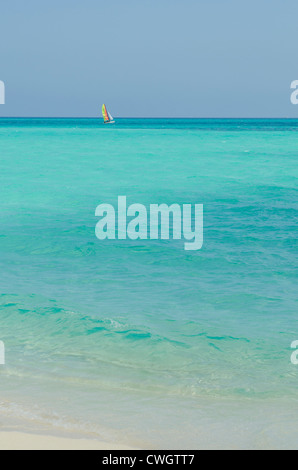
140, 338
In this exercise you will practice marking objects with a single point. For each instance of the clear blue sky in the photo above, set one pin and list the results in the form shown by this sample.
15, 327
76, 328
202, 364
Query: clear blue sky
188, 58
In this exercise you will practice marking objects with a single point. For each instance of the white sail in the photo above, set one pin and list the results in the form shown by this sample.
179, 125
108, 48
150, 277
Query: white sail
110, 116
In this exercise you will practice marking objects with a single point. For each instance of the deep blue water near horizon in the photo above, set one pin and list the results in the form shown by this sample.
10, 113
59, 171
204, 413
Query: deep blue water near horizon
142, 341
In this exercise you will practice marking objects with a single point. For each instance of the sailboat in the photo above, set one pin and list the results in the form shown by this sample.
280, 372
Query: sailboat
107, 117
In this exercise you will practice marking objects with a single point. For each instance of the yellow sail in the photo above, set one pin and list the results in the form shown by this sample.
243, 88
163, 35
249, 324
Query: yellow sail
105, 113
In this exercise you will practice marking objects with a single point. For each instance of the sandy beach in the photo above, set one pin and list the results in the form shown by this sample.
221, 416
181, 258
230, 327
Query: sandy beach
23, 441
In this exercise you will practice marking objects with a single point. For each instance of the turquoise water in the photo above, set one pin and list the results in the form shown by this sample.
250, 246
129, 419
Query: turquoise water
140, 341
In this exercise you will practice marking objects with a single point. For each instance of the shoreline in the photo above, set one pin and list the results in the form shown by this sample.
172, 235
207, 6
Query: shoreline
11, 440
251, 425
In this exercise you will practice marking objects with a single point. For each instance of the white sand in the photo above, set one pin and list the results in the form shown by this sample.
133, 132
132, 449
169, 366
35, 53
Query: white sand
23, 441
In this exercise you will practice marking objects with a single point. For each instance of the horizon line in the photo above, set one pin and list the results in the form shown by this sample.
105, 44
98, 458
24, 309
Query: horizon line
140, 117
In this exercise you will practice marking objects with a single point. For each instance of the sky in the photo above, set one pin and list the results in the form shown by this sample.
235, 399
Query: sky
149, 58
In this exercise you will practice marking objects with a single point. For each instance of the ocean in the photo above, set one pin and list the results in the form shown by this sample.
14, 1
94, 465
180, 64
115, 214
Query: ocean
141, 342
